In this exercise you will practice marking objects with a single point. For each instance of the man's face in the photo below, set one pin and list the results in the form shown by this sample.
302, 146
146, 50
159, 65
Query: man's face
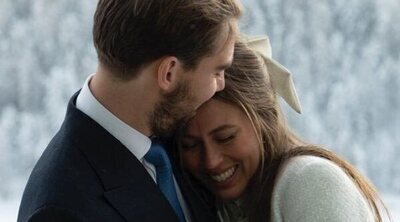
196, 87
171, 111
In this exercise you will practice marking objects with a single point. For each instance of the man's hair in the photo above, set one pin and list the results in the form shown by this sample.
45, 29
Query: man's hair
128, 34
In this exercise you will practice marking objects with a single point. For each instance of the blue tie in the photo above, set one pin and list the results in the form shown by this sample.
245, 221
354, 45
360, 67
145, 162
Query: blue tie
159, 158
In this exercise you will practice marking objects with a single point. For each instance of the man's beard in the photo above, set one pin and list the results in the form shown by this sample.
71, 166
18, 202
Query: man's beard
172, 112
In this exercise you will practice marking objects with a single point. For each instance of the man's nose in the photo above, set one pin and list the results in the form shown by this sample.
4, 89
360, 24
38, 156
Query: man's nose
221, 81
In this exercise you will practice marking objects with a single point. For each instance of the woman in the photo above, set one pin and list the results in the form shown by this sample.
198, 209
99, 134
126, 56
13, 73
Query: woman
237, 147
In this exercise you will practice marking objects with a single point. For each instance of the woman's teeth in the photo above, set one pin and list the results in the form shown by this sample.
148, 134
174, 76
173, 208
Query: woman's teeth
225, 175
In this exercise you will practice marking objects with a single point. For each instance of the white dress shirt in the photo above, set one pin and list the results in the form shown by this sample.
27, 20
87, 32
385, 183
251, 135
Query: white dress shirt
137, 143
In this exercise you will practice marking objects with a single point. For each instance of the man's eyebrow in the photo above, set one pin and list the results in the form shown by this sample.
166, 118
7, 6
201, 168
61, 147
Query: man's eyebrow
224, 66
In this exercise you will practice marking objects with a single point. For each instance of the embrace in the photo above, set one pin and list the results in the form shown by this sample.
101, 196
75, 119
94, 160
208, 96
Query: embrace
181, 122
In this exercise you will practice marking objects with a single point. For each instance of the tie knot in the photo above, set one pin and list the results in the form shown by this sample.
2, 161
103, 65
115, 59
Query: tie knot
157, 155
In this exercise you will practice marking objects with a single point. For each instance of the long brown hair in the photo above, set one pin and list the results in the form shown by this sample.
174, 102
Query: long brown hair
248, 87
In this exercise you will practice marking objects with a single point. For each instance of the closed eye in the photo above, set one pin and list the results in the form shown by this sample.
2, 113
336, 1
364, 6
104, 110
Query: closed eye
225, 140
224, 66
220, 73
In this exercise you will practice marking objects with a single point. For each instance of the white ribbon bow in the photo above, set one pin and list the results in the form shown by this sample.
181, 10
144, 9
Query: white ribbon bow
281, 78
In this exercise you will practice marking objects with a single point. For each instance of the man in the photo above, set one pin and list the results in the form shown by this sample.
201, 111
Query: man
158, 62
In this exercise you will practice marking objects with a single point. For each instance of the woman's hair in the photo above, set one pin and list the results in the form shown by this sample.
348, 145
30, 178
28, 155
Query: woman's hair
247, 86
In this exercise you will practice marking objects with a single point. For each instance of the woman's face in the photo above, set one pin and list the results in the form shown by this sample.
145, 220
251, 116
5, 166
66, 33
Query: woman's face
220, 149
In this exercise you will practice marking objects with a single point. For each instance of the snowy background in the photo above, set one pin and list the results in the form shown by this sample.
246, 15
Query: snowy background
344, 54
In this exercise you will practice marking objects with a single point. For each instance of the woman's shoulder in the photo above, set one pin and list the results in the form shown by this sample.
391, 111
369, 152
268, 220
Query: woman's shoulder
311, 188
310, 170
307, 164
303, 173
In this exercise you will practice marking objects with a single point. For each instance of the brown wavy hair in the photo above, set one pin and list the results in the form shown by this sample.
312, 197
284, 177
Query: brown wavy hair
247, 86
129, 34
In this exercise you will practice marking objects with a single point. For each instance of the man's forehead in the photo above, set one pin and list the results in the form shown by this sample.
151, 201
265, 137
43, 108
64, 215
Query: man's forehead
227, 36
226, 51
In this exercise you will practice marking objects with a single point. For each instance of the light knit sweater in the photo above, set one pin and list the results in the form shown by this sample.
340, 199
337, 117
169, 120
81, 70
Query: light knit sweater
310, 189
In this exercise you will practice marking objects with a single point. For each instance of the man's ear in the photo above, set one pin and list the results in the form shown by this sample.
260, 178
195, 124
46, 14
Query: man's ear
168, 73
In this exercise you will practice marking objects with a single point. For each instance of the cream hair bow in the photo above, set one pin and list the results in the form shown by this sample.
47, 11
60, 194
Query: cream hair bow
281, 78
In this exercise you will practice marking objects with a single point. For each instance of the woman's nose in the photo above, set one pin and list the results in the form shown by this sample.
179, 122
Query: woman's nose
212, 158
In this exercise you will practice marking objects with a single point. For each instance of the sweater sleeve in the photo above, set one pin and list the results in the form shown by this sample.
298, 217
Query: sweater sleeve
312, 189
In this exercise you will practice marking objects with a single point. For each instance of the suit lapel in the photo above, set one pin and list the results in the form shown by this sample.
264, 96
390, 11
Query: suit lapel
128, 187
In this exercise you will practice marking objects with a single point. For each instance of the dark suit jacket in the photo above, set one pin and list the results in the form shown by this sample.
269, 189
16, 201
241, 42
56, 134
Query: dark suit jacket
85, 174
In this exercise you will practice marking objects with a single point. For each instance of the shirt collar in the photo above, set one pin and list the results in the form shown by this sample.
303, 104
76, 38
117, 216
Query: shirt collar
137, 143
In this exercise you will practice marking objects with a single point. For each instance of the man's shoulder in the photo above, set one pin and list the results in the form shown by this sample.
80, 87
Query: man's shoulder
61, 172
62, 176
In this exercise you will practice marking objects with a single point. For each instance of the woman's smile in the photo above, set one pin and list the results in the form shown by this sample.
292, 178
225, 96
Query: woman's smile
220, 148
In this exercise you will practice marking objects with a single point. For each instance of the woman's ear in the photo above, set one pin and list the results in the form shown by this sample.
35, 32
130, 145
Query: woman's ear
168, 73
